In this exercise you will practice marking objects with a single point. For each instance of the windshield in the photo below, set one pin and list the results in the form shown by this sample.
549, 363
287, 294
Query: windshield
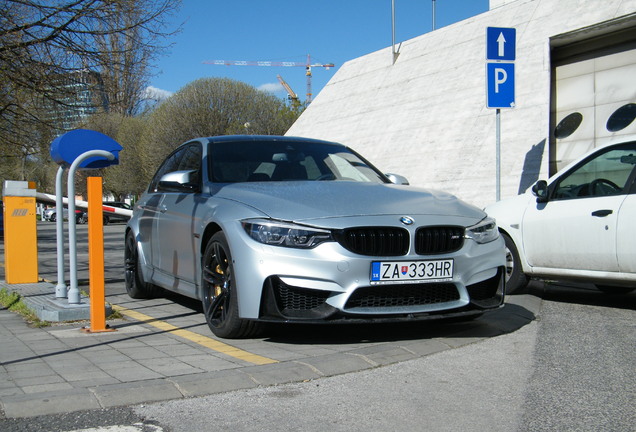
235, 162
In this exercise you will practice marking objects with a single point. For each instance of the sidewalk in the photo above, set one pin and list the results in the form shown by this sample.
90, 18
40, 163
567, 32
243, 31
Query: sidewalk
163, 350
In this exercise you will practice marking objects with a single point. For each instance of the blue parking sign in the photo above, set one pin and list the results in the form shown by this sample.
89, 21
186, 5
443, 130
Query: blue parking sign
501, 43
500, 79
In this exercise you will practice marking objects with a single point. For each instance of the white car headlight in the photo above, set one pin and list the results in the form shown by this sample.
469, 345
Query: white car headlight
484, 232
285, 234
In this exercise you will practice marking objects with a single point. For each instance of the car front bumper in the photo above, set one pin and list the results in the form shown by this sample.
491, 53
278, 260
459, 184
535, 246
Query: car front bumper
329, 283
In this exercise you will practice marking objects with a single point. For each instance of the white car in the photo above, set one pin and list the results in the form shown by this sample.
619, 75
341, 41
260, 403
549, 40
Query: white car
50, 214
578, 225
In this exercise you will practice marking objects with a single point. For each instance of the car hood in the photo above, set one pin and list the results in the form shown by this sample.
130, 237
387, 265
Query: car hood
304, 201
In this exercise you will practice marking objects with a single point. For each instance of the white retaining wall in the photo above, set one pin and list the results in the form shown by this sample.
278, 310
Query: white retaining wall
425, 116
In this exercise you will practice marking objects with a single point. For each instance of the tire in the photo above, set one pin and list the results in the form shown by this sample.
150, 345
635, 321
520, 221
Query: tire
52, 218
106, 220
136, 287
220, 303
515, 278
615, 289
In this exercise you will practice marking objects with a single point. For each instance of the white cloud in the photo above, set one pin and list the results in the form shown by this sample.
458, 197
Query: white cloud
271, 87
157, 94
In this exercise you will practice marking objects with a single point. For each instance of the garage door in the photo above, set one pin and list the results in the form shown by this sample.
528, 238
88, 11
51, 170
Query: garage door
594, 98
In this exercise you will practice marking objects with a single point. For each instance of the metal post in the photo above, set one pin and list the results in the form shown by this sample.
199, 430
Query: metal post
60, 288
393, 31
73, 292
96, 257
433, 14
498, 157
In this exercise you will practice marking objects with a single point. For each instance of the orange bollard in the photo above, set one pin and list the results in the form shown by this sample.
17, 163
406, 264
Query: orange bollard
96, 257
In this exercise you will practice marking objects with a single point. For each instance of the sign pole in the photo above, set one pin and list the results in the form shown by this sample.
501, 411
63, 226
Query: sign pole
500, 83
73, 292
498, 156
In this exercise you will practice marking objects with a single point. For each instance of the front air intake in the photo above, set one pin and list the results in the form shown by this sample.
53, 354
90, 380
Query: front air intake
438, 239
374, 241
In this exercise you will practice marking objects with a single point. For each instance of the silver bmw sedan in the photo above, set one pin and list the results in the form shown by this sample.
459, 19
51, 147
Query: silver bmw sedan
284, 229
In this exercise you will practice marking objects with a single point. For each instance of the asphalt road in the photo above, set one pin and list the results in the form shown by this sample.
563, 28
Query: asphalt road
572, 369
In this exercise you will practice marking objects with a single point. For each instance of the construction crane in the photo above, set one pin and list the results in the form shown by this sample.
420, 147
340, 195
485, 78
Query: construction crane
293, 97
308, 65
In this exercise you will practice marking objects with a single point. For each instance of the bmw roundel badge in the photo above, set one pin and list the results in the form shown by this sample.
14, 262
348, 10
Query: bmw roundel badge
407, 220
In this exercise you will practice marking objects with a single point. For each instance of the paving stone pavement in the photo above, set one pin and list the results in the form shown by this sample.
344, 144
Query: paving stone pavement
61, 368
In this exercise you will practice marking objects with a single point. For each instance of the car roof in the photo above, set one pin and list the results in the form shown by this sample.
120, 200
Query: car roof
265, 138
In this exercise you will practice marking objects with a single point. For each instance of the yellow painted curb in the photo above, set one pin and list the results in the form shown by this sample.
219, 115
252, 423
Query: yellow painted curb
205, 341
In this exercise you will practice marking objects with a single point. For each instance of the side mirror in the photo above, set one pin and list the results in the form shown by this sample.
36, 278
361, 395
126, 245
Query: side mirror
397, 179
178, 181
540, 190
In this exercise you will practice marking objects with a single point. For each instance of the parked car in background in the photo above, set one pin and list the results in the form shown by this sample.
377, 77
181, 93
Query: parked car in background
578, 225
47, 213
50, 215
265, 228
108, 215
112, 217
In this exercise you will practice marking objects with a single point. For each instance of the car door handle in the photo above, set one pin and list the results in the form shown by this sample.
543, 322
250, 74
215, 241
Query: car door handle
163, 209
602, 213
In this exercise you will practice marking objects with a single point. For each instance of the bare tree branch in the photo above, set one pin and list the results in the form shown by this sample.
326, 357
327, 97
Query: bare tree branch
49, 47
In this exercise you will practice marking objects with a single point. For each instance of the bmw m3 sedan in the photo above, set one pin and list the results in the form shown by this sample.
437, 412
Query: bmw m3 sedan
283, 229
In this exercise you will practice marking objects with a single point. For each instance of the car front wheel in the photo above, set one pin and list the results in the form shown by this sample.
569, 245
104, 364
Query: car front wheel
516, 279
220, 303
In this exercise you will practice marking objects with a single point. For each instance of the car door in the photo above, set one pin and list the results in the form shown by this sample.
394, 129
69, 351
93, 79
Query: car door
626, 239
577, 228
176, 224
151, 210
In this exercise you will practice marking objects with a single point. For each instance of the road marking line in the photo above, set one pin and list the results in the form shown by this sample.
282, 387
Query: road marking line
205, 341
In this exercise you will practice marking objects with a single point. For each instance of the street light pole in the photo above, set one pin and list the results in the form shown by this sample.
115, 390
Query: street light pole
433, 14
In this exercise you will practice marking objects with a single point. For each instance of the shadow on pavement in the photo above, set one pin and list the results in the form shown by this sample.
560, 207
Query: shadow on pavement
580, 293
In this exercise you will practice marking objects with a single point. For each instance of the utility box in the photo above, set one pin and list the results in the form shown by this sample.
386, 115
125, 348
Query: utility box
20, 233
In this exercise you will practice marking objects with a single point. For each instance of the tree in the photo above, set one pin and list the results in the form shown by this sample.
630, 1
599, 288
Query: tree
209, 107
206, 107
47, 46
126, 178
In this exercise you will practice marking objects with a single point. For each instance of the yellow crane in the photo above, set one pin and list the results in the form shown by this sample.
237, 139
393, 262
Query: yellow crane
291, 94
308, 65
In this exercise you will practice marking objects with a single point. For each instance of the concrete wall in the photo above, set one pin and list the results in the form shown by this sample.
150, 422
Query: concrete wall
496, 3
425, 117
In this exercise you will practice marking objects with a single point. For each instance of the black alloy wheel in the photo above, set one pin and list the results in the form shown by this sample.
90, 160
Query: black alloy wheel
220, 304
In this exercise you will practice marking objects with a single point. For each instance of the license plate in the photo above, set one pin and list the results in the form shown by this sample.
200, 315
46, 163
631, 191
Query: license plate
432, 270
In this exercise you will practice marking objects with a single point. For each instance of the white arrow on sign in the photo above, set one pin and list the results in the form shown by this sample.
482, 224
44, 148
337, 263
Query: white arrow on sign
501, 40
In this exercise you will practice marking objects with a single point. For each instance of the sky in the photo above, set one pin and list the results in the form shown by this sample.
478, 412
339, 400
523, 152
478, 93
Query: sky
329, 31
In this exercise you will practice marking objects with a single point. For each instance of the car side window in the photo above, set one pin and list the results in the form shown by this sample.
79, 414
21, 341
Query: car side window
191, 161
186, 158
608, 173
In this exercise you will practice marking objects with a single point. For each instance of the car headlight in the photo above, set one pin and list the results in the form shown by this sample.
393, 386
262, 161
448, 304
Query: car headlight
285, 234
484, 232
